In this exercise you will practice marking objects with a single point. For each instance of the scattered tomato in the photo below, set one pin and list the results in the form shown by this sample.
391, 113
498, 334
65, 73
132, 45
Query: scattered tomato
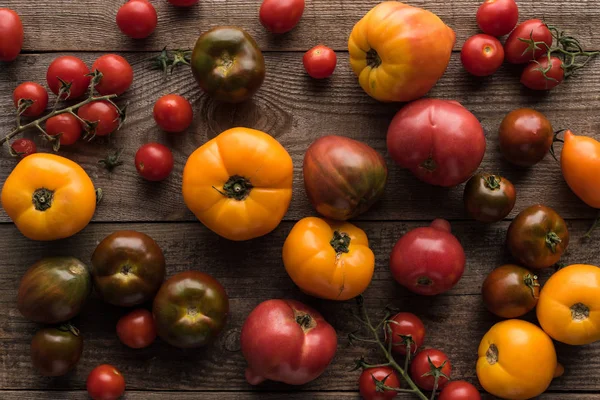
525, 137
173, 113
11, 35
423, 373
368, 383
154, 161
117, 74
519, 52
67, 126
580, 164
319, 62
183, 3
105, 382
280, 16
137, 329
482, 55
34, 92
489, 198
510, 291
459, 390
23, 147
104, 113
70, 70
137, 19
541, 75
406, 329
498, 17
56, 351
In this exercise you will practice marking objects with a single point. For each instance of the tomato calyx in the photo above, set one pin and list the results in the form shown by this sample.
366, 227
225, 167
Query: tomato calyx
436, 373
429, 164
237, 187
552, 240
492, 354
305, 321
373, 59
68, 327
492, 182
579, 312
112, 160
531, 282
42, 199
424, 281
340, 242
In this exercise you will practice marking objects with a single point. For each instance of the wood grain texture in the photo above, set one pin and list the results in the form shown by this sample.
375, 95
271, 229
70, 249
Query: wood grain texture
83, 25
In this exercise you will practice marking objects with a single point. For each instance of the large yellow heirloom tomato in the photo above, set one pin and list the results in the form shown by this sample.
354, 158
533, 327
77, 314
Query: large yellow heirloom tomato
49, 197
399, 51
569, 305
328, 259
239, 184
517, 360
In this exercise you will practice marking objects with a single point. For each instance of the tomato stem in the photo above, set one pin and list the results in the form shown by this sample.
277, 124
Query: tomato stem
237, 187
340, 242
552, 240
531, 282
492, 182
42, 199
373, 59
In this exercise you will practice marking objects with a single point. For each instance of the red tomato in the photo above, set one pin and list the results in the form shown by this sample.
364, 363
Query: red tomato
71, 70
533, 75
105, 382
498, 17
173, 113
67, 126
23, 147
102, 112
459, 390
36, 93
420, 368
137, 329
519, 52
280, 16
406, 327
183, 3
117, 74
137, 19
154, 161
320, 62
482, 55
11, 34
367, 383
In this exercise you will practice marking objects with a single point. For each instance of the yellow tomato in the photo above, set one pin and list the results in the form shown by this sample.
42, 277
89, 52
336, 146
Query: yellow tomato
239, 184
580, 164
517, 360
569, 305
399, 52
328, 259
49, 197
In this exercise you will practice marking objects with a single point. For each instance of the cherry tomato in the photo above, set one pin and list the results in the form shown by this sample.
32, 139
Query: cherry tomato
497, 17
154, 161
183, 3
525, 137
482, 55
11, 34
459, 390
519, 52
320, 62
420, 369
71, 70
117, 74
102, 112
540, 75
105, 382
280, 16
137, 19
510, 291
489, 198
23, 147
34, 92
173, 113
406, 328
137, 329
368, 383
67, 126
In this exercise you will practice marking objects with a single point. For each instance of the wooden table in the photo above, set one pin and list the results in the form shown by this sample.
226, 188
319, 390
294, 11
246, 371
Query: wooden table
296, 110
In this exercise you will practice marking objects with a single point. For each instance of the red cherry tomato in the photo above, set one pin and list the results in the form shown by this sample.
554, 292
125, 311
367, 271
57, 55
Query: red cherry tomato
67, 126
459, 390
11, 35
482, 55
183, 3
102, 112
137, 329
497, 17
71, 70
36, 93
105, 382
154, 161
137, 19
519, 52
23, 147
406, 327
320, 62
420, 367
533, 75
173, 113
280, 16
117, 74
368, 383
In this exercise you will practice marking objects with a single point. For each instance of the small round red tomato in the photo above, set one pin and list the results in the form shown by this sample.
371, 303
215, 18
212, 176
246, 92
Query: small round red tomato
280, 16
482, 55
70, 70
102, 112
525, 137
183, 3
173, 113
137, 329
423, 373
510, 291
498, 17
519, 52
319, 62
459, 390
34, 92
11, 34
541, 75
23, 147
137, 19
154, 161
489, 198
372, 377
117, 74
67, 126
105, 382
406, 329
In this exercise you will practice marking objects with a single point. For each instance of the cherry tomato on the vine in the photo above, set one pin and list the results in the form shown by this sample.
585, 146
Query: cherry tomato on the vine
70, 70
173, 113
137, 19
34, 92
183, 3
67, 126
154, 161
459, 390
482, 55
498, 17
23, 147
102, 112
369, 379
105, 382
117, 74
280, 16
406, 328
540, 75
519, 52
423, 373
137, 329
11, 34
320, 62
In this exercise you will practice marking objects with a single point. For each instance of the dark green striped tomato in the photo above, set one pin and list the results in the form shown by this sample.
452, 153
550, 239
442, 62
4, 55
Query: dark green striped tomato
489, 198
56, 351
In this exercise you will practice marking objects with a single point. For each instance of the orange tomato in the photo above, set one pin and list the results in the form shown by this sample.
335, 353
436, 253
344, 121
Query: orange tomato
399, 52
327, 259
569, 305
517, 360
49, 197
239, 184
580, 164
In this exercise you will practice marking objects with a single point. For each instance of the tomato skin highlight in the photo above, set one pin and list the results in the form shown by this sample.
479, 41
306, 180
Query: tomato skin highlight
117, 74
173, 113
67, 125
367, 388
11, 35
154, 162
280, 16
31, 91
137, 329
319, 62
137, 19
498, 17
24, 147
533, 75
105, 382
516, 51
71, 70
482, 55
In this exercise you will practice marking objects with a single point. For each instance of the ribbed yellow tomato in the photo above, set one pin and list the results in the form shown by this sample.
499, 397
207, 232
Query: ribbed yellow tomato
569, 305
399, 52
239, 184
328, 259
49, 197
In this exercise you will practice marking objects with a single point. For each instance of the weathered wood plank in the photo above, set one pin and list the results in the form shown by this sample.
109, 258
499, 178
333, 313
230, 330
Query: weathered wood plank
80, 25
